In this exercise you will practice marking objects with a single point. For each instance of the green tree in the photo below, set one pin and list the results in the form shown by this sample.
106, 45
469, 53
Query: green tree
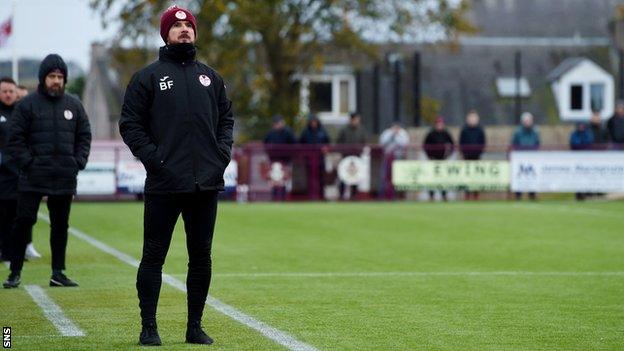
260, 46
76, 86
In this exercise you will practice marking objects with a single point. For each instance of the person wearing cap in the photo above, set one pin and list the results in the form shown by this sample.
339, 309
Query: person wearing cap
176, 118
438, 145
280, 133
49, 140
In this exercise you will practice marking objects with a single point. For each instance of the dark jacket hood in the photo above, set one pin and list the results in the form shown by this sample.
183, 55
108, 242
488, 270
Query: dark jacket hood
49, 64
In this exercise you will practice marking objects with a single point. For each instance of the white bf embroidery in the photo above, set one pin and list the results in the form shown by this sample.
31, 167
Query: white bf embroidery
165, 84
204, 80
68, 115
3, 119
180, 15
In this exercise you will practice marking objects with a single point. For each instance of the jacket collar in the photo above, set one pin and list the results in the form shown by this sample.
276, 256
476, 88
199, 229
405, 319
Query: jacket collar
180, 53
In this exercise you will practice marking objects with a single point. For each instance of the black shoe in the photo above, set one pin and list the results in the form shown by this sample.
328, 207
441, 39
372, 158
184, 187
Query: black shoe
61, 279
196, 335
149, 335
13, 281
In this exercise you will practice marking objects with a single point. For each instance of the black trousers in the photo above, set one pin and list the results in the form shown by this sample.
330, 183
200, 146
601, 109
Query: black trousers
199, 211
25, 219
7, 216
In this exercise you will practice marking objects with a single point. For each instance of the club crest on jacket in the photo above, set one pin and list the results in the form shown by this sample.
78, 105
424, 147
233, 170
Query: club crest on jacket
204, 80
68, 115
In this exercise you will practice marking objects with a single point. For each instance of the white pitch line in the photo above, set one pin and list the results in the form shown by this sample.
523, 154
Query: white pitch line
272, 333
409, 274
53, 312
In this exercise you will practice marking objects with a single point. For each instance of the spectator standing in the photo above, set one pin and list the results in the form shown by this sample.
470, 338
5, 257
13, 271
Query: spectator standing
600, 134
353, 133
438, 145
581, 137
526, 137
279, 156
472, 143
615, 126
315, 134
394, 141
280, 133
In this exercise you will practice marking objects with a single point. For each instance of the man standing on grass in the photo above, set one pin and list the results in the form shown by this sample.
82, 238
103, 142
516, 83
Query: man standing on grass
8, 170
177, 119
49, 139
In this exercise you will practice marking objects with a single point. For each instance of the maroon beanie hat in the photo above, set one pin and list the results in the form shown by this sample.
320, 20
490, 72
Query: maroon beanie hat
171, 16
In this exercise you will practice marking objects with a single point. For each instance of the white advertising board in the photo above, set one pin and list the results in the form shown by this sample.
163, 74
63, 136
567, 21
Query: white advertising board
98, 178
567, 171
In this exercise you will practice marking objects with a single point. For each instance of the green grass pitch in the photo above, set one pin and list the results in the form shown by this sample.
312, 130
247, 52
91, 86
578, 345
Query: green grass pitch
369, 276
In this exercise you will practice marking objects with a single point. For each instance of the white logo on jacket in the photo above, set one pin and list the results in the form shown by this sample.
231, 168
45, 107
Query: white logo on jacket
3, 119
204, 80
68, 115
165, 84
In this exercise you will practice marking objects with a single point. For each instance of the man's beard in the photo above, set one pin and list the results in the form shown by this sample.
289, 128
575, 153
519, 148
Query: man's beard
55, 90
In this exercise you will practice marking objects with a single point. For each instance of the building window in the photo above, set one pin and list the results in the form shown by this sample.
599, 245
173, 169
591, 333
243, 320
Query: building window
344, 96
331, 95
576, 97
320, 97
596, 96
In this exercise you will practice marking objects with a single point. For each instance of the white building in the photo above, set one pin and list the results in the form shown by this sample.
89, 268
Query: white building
581, 86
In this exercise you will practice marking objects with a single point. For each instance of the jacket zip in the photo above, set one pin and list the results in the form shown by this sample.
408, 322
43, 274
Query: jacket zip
55, 124
192, 130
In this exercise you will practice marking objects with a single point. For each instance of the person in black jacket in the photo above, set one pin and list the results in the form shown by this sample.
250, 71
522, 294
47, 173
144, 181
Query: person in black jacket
8, 170
314, 133
49, 139
472, 143
9, 96
438, 145
176, 118
601, 135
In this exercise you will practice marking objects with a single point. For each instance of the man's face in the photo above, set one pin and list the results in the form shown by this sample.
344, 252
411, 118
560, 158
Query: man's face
439, 126
54, 83
619, 110
181, 32
472, 119
21, 92
355, 121
595, 118
527, 122
8, 93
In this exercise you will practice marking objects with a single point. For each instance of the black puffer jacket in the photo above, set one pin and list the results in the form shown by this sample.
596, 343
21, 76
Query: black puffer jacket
177, 119
50, 138
8, 168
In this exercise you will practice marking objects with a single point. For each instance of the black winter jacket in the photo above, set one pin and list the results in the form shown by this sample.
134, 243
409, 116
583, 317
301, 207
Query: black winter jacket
176, 118
50, 139
8, 168
472, 142
438, 145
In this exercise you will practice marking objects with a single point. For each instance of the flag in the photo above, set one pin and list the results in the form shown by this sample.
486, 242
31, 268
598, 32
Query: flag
5, 31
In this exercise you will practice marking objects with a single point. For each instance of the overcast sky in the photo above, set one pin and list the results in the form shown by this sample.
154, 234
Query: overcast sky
65, 27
